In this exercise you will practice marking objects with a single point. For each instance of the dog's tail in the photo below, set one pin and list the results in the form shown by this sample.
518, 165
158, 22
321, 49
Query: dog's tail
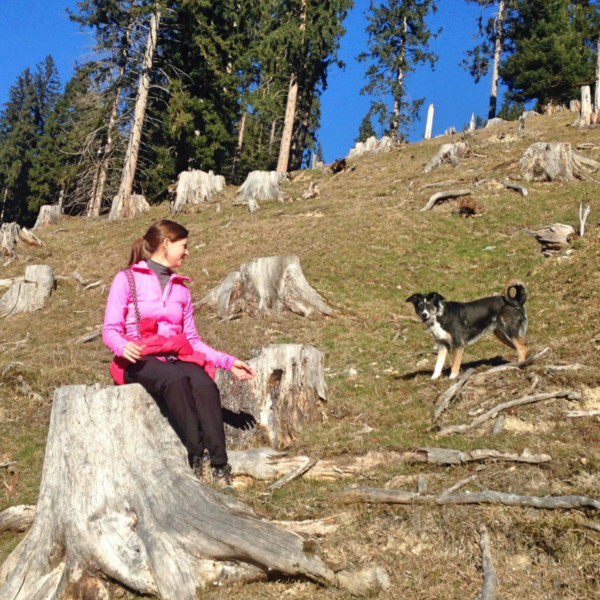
515, 293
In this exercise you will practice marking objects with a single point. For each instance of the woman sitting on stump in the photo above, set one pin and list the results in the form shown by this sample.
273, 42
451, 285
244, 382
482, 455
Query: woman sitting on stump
149, 326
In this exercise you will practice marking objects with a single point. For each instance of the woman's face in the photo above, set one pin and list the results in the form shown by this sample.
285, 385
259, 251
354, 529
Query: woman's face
175, 252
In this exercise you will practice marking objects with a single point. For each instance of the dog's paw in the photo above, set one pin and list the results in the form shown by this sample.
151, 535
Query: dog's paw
435, 376
453, 376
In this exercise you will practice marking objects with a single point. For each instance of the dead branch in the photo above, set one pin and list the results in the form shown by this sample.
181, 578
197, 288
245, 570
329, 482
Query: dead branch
384, 496
294, 474
460, 484
490, 414
446, 397
87, 337
10, 463
573, 414
439, 184
516, 365
521, 189
316, 527
441, 196
490, 582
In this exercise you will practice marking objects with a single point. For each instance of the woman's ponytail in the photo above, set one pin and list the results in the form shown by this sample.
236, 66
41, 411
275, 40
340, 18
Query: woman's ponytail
138, 251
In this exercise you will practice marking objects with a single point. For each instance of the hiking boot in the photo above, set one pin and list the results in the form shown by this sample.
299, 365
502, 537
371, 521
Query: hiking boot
196, 462
223, 477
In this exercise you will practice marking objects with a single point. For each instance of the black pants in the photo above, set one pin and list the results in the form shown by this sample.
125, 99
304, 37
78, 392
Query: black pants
192, 402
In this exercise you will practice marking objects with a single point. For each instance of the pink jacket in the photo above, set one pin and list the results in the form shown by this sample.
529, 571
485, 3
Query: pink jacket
172, 308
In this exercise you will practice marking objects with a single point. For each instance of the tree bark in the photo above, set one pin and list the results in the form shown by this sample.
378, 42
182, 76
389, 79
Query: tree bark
448, 153
271, 409
496, 63
133, 148
118, 500
267, 285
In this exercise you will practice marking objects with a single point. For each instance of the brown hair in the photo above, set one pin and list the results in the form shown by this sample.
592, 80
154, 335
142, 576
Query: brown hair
145, 246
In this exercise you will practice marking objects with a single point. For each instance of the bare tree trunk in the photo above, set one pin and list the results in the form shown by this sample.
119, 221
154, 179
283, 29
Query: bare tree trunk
597, 84
240, 143
429, 122
95, 201
133, 148
587, 110
397, 98
497, 52
290, 109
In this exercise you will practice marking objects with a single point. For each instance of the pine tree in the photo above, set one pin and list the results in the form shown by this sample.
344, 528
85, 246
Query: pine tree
398, 40
22, 122
549, 55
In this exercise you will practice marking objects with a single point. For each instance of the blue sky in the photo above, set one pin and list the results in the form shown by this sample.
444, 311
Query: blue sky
32, 29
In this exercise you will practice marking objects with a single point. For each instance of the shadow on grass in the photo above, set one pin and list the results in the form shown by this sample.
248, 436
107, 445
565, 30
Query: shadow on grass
489, 362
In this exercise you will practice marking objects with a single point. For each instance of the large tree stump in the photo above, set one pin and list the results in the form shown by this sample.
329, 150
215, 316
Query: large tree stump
448, 153
267, 285
261, 186
118, 500
49, 215
30, 294
12, 235
553, 237
196, 187
555, 161
128, 206
287, 392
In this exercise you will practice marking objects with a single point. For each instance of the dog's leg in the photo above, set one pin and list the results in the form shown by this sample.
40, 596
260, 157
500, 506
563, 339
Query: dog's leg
521, 348
439, 363
456, 360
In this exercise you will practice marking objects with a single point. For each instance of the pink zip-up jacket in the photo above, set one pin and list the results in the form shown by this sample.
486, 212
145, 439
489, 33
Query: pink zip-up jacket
172, 308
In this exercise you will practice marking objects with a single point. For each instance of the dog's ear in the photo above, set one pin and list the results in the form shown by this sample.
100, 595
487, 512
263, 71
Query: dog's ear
414, 298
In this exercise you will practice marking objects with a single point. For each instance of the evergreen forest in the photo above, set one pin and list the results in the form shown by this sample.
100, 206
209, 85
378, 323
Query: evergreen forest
232, 87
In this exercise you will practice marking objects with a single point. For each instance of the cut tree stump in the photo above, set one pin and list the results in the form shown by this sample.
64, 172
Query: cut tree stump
12, 235
555, 161
448, 153
553, 237
118, 501
267, 285
31, 293
261, 186
196, 187
49, 215
127, 207
287, 393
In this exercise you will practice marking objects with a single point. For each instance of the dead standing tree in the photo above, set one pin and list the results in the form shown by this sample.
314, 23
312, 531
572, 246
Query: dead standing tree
117, 500
266, 285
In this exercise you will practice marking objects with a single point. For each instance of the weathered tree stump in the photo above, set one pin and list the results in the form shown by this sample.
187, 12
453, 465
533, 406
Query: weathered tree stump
370, 146
555, 161
261, 186
196, 187
128, 206
12, 235
117, 500
267, 285
49, 215
553, 237
586, 112
31, 293
448, 153
287, 392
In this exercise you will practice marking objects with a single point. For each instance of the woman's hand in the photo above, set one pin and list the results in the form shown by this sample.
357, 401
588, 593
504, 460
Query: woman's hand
132, 352
242, 371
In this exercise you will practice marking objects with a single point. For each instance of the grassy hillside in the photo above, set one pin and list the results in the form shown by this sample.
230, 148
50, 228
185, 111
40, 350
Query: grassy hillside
365, 245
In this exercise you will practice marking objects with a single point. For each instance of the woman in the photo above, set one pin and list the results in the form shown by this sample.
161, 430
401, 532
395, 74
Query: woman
149, 326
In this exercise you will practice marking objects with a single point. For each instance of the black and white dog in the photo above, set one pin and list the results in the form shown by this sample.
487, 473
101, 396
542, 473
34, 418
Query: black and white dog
456, 324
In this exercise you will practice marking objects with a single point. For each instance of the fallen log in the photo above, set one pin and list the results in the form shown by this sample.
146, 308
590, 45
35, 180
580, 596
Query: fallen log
446, 397
490, 414
441, 196
521, 189
117, 503
266, 463
553, 237
385, 496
